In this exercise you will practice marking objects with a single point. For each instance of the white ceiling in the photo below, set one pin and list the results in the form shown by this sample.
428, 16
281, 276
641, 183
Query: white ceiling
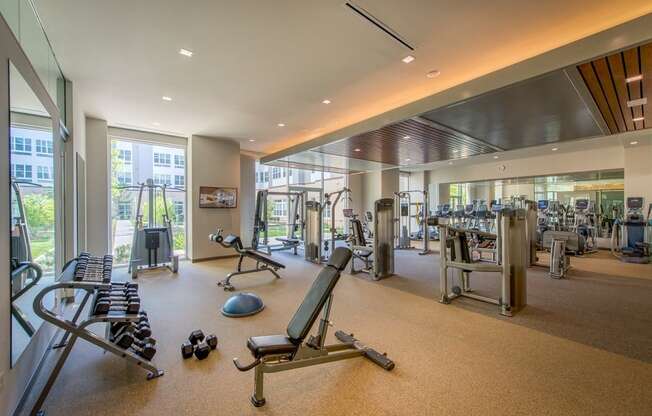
258, 63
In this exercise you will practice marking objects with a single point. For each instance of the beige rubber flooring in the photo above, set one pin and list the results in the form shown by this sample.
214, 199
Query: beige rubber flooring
583, 346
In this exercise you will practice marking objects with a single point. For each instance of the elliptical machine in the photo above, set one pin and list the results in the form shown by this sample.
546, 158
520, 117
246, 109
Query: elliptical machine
628, 239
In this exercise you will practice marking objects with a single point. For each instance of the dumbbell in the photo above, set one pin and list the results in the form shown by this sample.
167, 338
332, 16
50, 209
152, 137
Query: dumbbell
126, 294
103, 307
202, 350
199, 345
196, 337
124, 340
124, 285
187, 349
118, 299
211, 340
147, 351
140, 331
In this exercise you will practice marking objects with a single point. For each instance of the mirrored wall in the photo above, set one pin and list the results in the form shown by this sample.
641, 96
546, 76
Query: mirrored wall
33, 208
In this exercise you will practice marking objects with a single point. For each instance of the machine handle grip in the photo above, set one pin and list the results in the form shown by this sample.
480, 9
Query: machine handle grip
241, 367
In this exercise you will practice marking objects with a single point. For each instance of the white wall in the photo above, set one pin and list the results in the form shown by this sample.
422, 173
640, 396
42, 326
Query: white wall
97, 186
211, 162
247, 196
638, 172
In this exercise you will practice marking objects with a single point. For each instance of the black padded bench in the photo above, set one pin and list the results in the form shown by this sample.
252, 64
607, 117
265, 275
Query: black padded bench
263, 263
274, 353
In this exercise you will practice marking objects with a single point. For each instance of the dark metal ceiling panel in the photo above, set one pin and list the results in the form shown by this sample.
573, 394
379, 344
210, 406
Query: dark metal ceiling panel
534, 112
412, 141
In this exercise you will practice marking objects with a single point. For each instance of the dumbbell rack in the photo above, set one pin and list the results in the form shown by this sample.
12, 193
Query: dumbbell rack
91, 275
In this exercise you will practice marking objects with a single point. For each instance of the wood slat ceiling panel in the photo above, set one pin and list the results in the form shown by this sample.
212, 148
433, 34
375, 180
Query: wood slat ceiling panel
606, 79
406, 143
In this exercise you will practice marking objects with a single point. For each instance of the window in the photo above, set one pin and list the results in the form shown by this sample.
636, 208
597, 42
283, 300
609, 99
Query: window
124, 155
136, 162
179, 161
124, 210
281, 208
178, 211
124, 178
162, 179
276, 173
21, 171
44, 173
21, 145
162, 159
44, 147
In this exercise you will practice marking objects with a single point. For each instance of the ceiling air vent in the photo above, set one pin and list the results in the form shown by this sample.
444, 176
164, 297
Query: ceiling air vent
370, 18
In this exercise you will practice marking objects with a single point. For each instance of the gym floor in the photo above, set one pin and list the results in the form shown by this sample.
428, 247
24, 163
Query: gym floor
583, 346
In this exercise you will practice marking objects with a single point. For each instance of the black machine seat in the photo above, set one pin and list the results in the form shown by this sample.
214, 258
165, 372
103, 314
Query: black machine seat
263, 259
288, 240
308, 311
271, 345
233, 240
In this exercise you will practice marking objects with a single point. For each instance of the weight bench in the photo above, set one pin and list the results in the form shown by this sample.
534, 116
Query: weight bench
275, 353
263, 263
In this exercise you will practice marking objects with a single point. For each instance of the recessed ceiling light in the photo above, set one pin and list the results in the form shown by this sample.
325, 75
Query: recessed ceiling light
554, 149
636, 103
156, 123
450, 163
166, 98
281, 124
638, 119
456, 150
406, 137
634, 143
252, 140
408, 59
634, 78
495, 157
185, 52
326, 101
433, 74
357, 149
408, 159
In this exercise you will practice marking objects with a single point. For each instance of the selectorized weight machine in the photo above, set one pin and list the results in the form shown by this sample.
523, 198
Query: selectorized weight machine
296, 223
153, 244
403, 205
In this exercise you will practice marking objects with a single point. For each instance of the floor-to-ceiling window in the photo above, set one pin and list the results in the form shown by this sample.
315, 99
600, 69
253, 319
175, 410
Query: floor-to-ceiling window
315, 183
132, 164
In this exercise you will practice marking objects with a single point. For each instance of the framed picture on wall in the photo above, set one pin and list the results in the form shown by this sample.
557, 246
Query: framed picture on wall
216, 197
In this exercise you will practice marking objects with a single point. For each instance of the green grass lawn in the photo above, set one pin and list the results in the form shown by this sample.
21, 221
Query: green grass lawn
40, 247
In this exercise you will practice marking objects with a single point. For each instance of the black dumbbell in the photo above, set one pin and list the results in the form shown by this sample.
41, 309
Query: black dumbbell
103, 307
141, 331
211, 340
124, 340
187, 349
202, 350
196, 337
119, 297
147, 351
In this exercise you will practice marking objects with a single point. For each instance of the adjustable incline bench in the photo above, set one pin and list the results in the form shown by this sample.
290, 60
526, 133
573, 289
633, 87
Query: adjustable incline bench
262, 262
275, 353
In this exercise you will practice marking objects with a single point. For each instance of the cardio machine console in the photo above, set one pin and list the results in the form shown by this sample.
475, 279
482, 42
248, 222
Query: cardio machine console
543, 204
581, 204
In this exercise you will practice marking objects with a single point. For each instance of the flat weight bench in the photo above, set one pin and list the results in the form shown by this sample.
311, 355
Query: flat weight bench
275, 353
263, 263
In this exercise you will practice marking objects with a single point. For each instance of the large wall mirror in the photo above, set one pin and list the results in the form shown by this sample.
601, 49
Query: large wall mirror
33, 219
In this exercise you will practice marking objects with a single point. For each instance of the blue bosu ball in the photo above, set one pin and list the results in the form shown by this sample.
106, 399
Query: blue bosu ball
242, 304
